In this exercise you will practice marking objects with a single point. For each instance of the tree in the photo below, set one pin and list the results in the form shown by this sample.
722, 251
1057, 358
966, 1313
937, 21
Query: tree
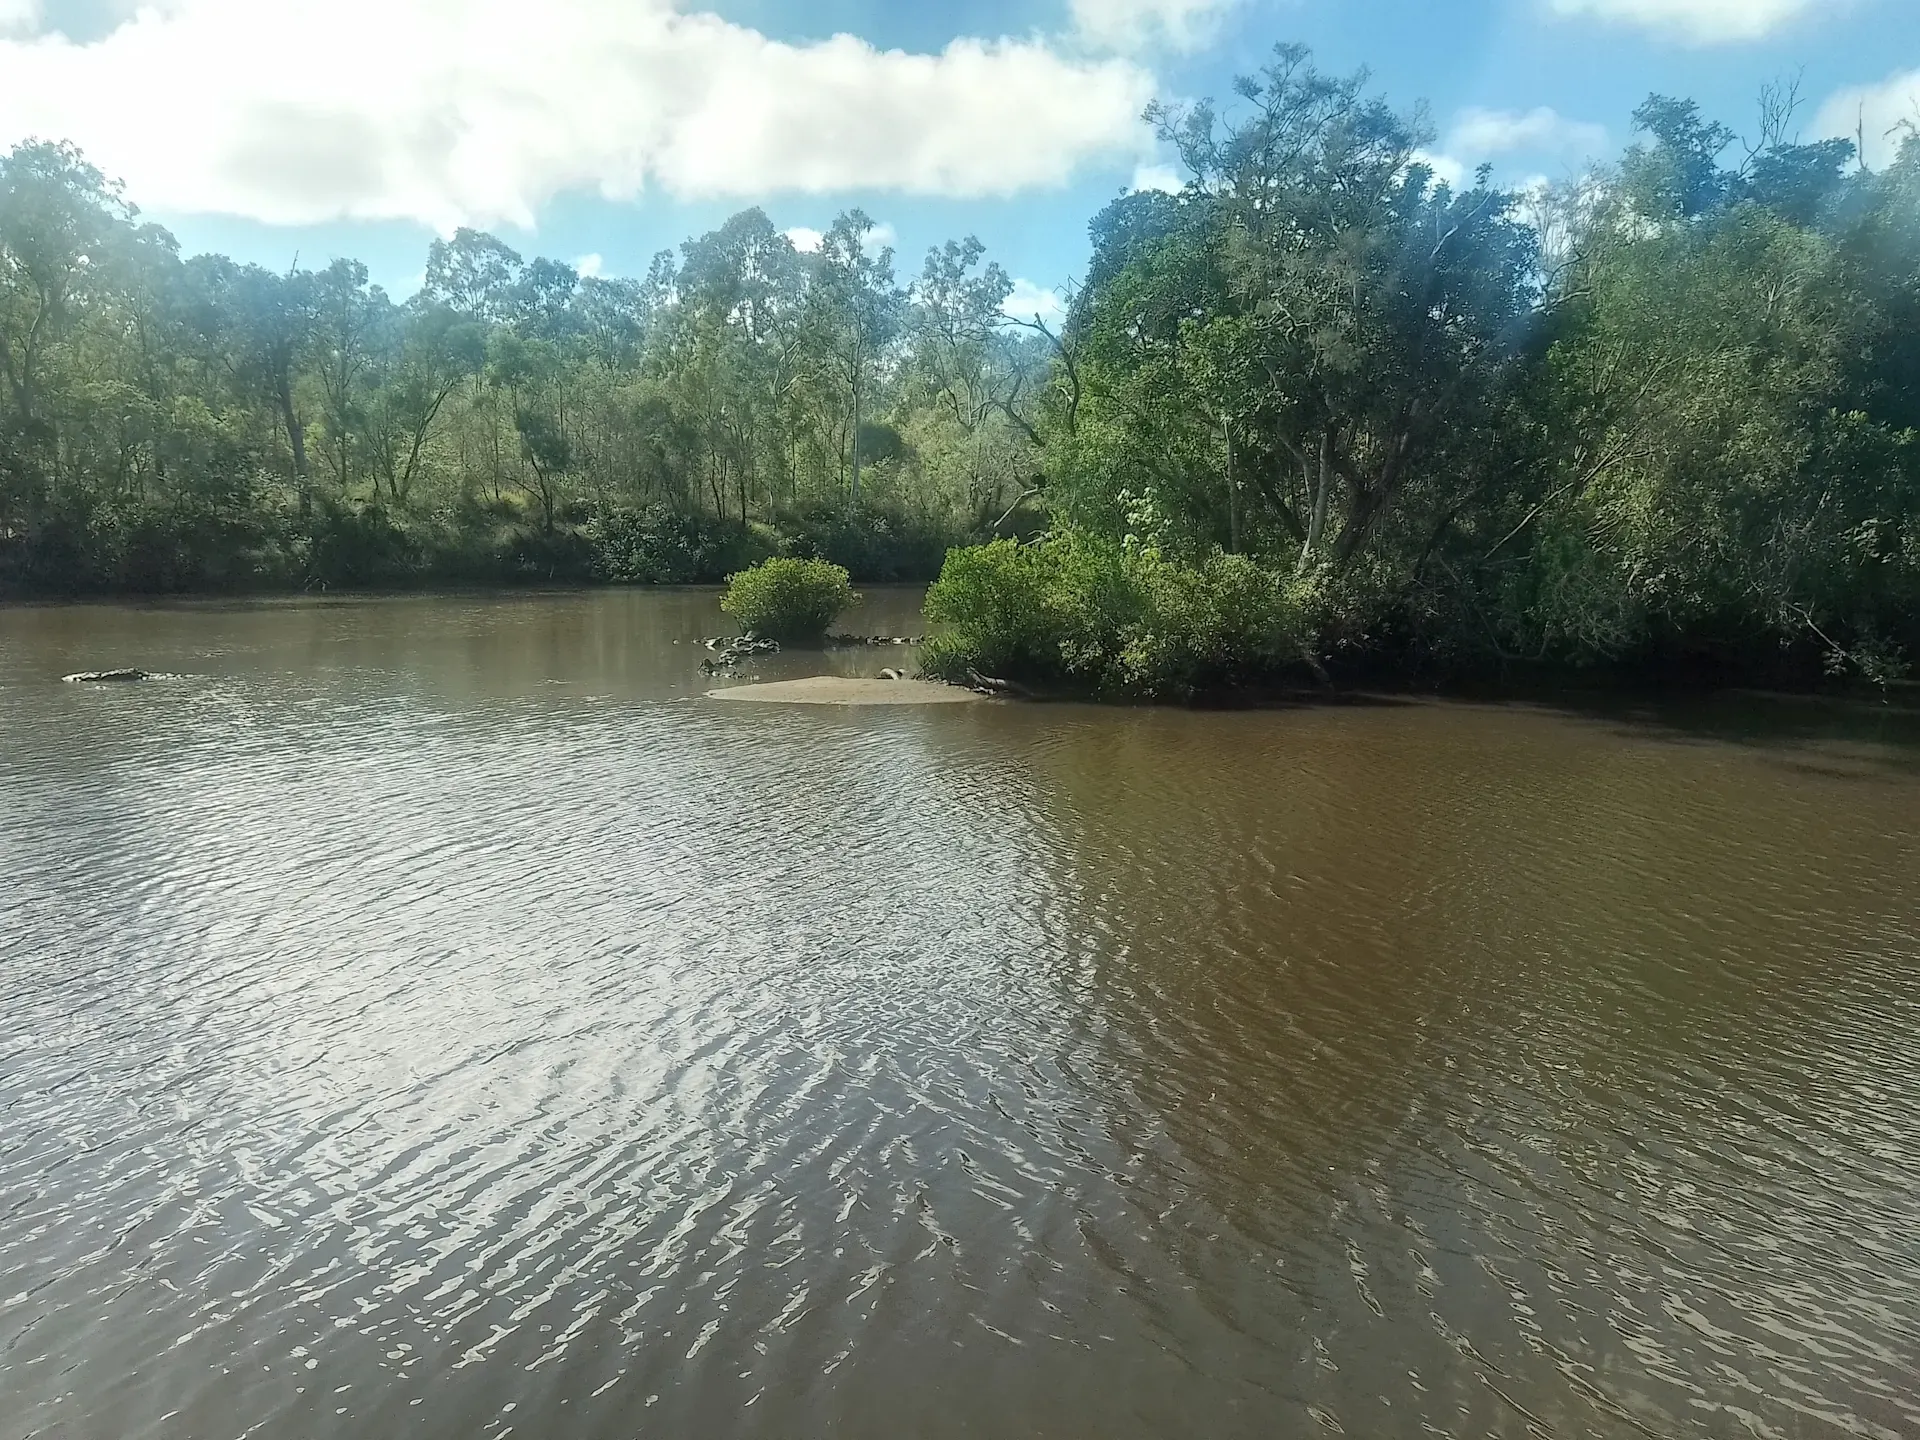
854, 315
429, 350
58, 219
347, 320
262, 326
1315, 323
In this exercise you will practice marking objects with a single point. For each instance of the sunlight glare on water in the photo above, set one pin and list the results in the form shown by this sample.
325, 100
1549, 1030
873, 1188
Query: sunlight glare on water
433, 1016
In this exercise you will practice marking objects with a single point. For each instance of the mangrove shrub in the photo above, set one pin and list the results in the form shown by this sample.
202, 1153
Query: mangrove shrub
789, 600
1078, 612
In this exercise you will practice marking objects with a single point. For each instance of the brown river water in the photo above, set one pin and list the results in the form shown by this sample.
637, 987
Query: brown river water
435, 1017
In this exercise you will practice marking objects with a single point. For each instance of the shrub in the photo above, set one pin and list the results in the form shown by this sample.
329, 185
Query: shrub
1110, 618
789, 600
875, 540
658, 546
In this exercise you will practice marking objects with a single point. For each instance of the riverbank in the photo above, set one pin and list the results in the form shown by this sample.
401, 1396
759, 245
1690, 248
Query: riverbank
897, 609
148, 551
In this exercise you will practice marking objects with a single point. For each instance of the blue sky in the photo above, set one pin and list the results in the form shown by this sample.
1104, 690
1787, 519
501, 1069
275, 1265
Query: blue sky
614, 128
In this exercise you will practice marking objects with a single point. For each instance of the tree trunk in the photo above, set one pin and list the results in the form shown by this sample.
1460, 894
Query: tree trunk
1317, 521
1233, 499
856, 441
297, 442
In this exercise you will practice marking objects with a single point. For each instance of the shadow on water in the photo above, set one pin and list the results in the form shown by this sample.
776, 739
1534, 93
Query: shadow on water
1824, 733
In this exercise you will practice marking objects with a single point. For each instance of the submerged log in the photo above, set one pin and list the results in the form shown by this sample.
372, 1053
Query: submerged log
102, 677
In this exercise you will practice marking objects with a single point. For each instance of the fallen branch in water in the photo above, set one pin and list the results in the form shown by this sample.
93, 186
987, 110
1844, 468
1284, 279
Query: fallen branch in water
994, 685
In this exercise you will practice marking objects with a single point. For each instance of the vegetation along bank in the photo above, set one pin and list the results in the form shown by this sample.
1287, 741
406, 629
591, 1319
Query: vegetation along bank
1320, 412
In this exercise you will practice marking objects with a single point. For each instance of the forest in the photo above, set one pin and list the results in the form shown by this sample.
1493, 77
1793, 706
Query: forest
1318, 413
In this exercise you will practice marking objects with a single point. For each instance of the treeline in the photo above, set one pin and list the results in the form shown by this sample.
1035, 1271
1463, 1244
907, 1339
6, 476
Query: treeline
1322, 410
1318, 412
171, 424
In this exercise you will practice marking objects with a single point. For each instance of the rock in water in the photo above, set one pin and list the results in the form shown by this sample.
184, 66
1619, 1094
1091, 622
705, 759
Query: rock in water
101, 677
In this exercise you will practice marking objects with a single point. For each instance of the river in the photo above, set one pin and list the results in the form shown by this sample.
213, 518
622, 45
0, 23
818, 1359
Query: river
434, 1017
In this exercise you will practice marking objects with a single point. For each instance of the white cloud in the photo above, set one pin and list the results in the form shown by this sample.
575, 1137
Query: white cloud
1482, 133
1136, 24
1029, 300
1880, 111
479, 111
589, 267
1700, 22
1157, 177
1448, 168
806, 239
18, 15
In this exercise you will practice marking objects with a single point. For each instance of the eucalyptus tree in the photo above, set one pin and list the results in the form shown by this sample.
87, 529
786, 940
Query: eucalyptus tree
731, 346
427, 352
58, 218
971, 382
350, 321
854, 315
1316, 331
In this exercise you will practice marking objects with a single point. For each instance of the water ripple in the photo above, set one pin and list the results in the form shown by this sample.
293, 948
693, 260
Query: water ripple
388, 1047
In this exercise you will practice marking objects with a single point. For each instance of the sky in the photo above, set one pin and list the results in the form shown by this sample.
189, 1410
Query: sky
601, 131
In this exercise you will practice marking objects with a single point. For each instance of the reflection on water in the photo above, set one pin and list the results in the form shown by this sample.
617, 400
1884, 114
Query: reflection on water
433, 1017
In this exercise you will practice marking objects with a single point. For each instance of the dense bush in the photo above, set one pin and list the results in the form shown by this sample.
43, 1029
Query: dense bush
172, 545
873, 541
659, 546
1112, 619
789, 600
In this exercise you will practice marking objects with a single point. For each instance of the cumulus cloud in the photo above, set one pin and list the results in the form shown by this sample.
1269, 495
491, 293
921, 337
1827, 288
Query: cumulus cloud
479, 111
18, 14
589, 267
1483, 133
1029, 300
806, 239
1135, 24
1699, 22
1449, 169
1880, 113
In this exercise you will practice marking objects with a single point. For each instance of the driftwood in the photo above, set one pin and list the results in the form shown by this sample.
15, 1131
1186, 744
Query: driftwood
994, 685
731, 650
102, 677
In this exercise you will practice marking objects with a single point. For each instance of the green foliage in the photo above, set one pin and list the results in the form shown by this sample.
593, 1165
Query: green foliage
1112, 619
512, 422
1318, 409
663, 547
880, 540
789, 600
1666, 417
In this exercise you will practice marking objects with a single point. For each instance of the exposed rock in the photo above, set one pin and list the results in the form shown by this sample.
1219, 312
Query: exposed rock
102, 677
